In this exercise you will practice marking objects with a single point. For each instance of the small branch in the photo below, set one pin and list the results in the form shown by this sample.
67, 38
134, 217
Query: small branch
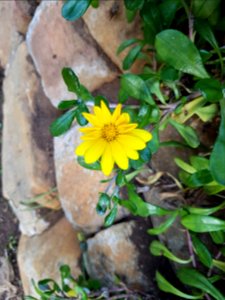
190, 20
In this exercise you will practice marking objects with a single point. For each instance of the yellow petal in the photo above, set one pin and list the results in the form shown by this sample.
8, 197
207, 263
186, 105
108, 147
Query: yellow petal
91, 136
93, 119
142, 134
134, 142
94, 152
89, 129
123, 119
107, 161
116, 113
82, 148
131, 153
119, 155
124, 128
105, 114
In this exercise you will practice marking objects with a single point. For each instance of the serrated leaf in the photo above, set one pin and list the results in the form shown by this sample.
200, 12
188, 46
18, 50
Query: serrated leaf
63, 123
201, 223
177, 50
195, 279
167, 287
74, 9
136, 87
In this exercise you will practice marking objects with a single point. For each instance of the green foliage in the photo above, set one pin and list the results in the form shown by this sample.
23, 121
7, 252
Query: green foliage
181, 84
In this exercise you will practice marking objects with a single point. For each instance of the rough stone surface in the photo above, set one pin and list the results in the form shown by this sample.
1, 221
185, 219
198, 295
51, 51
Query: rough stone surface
14, 20
109, 27
7, 289
41, 256
27, 153
78, 187
163, 160
122, 250
55, 43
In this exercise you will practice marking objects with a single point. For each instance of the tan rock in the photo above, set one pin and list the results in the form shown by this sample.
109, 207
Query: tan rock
122, 250
14, 20
78, 187
108, 25
28, 168
41, 256
55, 43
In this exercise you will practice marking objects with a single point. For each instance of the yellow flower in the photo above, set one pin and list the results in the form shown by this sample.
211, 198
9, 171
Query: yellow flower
112, 138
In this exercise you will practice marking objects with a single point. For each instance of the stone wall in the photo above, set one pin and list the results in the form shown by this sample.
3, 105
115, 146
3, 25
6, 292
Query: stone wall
38, 169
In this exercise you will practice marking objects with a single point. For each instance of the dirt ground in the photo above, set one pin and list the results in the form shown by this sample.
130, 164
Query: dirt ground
9, 233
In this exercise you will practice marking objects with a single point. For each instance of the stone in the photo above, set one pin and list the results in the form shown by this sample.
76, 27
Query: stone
41, 256
163, 159
7, 289
14, 19
27, 152
78, 187
108, 25
122, 250
55, 43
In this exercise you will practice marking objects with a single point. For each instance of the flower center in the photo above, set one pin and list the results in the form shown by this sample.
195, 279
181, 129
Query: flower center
109, 132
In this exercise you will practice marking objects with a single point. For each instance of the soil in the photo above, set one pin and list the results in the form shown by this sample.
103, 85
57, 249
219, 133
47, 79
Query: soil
9, 231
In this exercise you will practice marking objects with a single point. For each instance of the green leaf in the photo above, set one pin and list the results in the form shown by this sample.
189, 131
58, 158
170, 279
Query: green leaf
211, 89
144, 114
67, 104
158, 249
219, 264
136, 87
202, 252
79, 115
199, 178
63, 123
200, 223
103, 204
126, 44
133, 4
204, 8
205, 211
168, 10
154, 143
217, 158
184, 166
218, 237
71, 80
95, 3
207, 113
167, 287
195, 279
131, 57
74, 9
199, 162
165, 225
187, 132
177, 50
110, 218
95, 166
84, 94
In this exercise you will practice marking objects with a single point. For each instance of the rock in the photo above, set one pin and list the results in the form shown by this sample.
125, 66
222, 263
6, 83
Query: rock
122, 250
27, 153
55, 43
14, 20
41, 256
163, 160
108, 25
7, 289
78, 187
